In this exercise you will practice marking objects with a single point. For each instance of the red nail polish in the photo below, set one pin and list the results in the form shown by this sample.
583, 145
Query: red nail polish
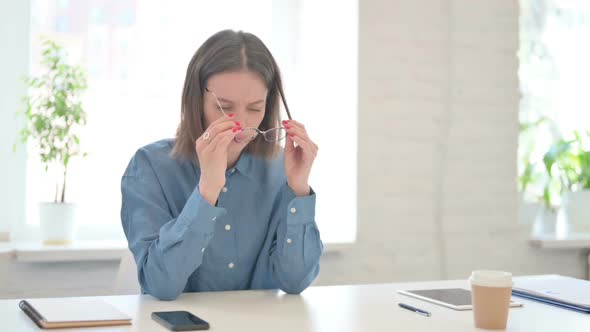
285, 122
231, 115
287, 127
237, 123
292, 135
235, 129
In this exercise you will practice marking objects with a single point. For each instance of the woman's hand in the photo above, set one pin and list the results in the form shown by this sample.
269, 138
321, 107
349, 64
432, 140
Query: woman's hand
212, 149
298, 160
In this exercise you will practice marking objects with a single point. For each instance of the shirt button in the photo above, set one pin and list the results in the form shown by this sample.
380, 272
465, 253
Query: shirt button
202, 249
293, 210
224, 189
289, 241
214, 218
231, 265
232, 171
227, 227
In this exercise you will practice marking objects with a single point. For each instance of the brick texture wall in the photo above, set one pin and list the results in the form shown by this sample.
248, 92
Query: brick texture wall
438, 128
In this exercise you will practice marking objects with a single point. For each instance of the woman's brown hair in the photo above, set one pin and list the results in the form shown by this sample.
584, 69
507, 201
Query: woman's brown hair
225, 51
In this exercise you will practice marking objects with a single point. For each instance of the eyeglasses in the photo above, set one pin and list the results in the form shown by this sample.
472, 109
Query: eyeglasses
249, 134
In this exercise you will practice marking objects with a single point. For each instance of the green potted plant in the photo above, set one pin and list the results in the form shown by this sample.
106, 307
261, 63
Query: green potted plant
528, 170
53, 115
567, 163
536, 134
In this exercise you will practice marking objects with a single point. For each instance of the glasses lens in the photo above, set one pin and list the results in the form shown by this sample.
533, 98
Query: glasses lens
275, 134
246, 135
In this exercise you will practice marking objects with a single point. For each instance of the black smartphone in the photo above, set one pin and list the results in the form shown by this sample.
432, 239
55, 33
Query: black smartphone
180, 321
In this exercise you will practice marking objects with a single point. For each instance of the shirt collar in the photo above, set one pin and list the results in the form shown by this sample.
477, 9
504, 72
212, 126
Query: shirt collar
244, 166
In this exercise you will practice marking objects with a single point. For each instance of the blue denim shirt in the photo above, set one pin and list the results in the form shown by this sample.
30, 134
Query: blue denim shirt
259, 236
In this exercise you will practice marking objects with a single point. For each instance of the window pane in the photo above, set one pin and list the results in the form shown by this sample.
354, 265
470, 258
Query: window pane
554, 71
136, 54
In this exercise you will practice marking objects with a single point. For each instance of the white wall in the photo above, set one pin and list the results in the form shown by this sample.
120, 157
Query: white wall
438, 126
438, 98
14, 62
20, 280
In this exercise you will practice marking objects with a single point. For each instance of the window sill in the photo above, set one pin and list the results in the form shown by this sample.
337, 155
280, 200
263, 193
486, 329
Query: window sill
36, 252
335, 248
552, 241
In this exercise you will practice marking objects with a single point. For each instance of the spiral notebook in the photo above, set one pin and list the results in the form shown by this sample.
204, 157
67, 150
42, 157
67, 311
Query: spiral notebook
72, 312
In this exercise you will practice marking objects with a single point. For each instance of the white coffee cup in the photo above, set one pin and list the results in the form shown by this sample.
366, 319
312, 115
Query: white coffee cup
490, 296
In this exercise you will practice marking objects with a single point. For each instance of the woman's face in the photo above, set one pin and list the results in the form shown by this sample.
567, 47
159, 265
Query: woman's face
242, 93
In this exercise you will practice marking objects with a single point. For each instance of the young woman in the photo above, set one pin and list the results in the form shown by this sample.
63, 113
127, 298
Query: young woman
223, 206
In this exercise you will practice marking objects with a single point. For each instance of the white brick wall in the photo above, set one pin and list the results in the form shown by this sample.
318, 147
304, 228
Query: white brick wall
438, 127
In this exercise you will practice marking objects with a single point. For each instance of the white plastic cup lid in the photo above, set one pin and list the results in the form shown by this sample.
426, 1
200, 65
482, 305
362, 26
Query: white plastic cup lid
491, 278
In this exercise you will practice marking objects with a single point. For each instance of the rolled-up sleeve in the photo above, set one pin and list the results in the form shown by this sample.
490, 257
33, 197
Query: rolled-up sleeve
167, 250
297, 247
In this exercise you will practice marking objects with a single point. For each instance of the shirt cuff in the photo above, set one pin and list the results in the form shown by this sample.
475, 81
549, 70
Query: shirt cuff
300, 210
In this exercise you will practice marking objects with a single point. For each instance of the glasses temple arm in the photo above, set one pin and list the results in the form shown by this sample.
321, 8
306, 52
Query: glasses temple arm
216, 100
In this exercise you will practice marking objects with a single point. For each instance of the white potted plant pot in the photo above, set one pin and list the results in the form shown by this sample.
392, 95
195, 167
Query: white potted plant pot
545, 221
57, 222
527, 211
576, 209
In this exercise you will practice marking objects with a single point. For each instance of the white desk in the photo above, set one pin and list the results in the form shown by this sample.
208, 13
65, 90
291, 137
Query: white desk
328, 308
